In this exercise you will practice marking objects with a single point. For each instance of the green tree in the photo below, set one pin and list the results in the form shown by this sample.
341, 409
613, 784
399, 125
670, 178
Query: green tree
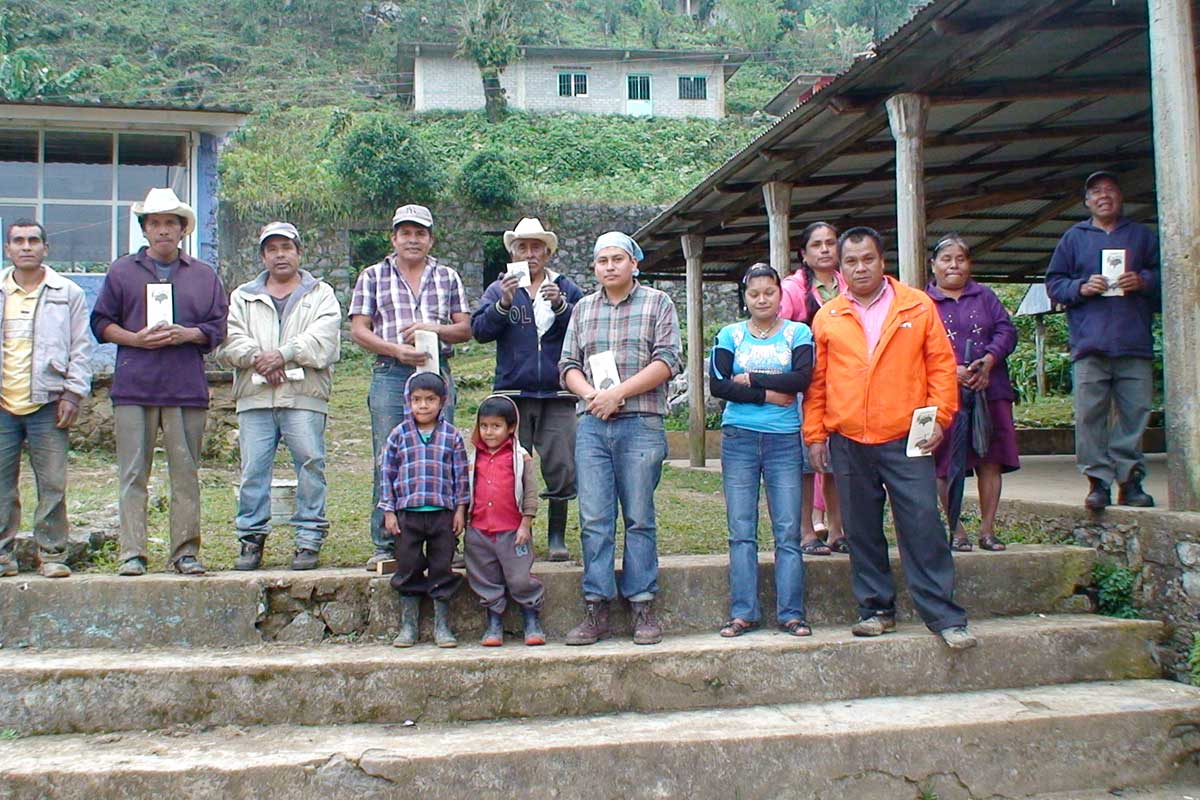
383, 162
653, 21
881, 17
25, 72
755, 23
489, 37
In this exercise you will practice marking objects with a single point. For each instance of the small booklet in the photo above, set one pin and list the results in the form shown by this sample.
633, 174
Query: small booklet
427, 342
293, 374
923, 421
521, 269
160, 304
1112, 265
604, 370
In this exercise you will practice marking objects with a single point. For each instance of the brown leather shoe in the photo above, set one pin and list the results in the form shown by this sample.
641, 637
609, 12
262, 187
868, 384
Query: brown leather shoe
594, 626
646, 629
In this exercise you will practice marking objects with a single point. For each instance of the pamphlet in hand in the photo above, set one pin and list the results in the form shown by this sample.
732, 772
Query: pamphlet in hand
604, 370
923, 422
427, 342
520, 269
293, 374
1112, 265
160, 304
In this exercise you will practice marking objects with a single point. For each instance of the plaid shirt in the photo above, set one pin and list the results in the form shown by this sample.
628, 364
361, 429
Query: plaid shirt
382, 294
641, 328
415, 473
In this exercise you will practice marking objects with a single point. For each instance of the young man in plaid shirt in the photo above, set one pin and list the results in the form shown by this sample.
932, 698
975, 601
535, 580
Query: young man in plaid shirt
424, 490
620, 444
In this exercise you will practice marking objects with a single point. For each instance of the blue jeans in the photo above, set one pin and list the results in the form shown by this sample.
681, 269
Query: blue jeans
259, 433
385, 401
749, 458
48, 457
619, 461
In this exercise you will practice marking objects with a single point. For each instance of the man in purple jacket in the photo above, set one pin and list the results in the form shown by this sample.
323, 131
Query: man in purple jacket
1105, 271
159, 379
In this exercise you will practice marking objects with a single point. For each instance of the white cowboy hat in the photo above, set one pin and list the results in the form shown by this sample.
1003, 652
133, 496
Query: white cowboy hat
531, 228
164, 201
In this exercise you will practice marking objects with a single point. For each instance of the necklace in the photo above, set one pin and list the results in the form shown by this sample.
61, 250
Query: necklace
759, 333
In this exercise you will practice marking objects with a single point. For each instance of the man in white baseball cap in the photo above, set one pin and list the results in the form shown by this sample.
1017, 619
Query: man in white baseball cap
408, 291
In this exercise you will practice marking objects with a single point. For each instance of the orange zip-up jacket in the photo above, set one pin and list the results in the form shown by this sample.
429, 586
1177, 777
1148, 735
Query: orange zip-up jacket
871, 400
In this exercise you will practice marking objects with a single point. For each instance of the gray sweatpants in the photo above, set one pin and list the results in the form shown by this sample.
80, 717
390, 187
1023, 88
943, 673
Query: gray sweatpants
547, 425
1108, 445
493, 566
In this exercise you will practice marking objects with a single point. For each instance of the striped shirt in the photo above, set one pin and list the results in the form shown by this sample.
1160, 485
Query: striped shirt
641, 328
382, 294
414, 473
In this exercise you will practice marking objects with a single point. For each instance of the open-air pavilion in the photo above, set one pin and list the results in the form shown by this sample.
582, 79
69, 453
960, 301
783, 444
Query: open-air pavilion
981, 117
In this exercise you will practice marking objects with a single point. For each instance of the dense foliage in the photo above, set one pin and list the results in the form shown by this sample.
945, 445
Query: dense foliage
1115, 585
382, 159
487, 181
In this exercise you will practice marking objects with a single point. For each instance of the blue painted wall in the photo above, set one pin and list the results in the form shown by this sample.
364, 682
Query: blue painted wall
104, 355
206, 200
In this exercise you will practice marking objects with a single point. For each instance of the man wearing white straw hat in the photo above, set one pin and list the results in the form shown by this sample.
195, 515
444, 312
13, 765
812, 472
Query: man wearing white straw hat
164, 310
528, 323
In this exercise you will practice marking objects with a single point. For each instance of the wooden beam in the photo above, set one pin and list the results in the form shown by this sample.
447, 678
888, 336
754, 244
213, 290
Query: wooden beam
1012, 91
907, 114
777, 197
693, 251
1062, 22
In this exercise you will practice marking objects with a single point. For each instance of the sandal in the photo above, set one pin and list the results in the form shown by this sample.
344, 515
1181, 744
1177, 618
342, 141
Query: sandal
840, 545
815, 548
736, 627
991, 543
961, 544
796, 627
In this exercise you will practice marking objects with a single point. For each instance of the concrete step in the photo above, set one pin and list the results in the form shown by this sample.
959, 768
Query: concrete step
1009, 743
234, 609
98, 691
1174, 791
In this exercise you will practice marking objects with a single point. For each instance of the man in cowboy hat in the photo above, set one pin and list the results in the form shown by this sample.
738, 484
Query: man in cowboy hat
408, 291
528, 325
159, 380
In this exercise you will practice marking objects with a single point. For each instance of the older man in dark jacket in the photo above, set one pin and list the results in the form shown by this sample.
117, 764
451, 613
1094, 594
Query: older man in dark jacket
528, 324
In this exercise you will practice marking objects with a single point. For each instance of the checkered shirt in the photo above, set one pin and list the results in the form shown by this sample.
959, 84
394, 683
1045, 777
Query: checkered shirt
382, 294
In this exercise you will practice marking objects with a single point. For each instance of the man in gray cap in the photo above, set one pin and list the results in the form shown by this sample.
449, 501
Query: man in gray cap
284, 336
1105, 271
407, 292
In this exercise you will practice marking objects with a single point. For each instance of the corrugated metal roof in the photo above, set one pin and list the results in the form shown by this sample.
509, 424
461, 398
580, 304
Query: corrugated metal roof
1027, 98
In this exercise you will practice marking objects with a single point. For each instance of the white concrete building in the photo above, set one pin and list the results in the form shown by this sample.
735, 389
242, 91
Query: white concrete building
668, 83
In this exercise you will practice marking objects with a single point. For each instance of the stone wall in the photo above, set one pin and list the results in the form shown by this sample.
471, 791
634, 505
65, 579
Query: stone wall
460, 237
1161, 547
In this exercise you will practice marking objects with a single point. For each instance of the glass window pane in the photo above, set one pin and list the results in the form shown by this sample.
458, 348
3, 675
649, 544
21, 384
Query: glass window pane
18, 163
146, 162
79, 235
79, 165
124, 231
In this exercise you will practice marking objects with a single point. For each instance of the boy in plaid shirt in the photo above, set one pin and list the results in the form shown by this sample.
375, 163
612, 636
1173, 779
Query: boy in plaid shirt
424, 491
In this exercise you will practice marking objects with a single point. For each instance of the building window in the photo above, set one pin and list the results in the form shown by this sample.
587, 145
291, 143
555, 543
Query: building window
81, 184
639, 87
693, 88
572, 84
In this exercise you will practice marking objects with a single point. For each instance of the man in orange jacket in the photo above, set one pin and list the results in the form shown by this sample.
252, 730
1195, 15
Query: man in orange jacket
881, 353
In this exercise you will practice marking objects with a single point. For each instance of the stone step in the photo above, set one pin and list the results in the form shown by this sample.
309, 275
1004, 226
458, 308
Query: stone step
232, 609
1011, 743
1174, 791
99, 691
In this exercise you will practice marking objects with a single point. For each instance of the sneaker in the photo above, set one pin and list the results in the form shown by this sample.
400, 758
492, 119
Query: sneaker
133, 566
380, 555
189, 565
594, 626
54, 569
874, 626
958, 638
8, 567
646, 629
305, 559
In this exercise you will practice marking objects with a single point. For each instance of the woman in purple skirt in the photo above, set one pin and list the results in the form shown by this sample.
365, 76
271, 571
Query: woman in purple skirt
972, 313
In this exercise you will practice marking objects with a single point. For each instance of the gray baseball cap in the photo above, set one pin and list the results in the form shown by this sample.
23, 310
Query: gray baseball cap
1097, 175
412, 213
284, 229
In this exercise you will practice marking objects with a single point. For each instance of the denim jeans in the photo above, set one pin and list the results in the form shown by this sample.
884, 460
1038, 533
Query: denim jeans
619, 461
749, 458
48, 457
385, 401
259, 433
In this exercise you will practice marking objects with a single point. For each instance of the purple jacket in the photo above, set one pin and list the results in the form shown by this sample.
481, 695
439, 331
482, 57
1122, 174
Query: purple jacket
978, 316
169, 376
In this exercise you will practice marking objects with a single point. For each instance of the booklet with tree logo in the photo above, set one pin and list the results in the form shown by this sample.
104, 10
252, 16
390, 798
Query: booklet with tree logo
604, 370
521, 270
1112, 265
923, 421
160, 304
427, 342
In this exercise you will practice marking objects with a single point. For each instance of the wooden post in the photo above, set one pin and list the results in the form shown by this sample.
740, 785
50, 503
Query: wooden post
693, 249
907, 114
777, 197
1039, 343
1177, 167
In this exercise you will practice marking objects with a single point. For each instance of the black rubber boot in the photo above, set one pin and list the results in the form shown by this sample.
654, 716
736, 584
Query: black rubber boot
557, 531
252, 552
442, 635
534, 635
494, 635
410, 616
